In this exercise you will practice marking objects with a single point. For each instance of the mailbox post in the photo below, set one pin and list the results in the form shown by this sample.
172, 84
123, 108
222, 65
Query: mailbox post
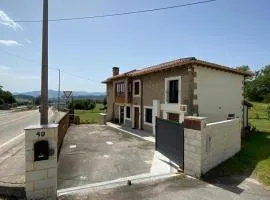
41, 161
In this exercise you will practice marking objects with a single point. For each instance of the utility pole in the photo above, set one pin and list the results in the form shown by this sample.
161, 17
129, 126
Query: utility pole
59, 76
44, 66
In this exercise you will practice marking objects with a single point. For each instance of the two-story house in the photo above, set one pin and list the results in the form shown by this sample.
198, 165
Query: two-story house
207, 89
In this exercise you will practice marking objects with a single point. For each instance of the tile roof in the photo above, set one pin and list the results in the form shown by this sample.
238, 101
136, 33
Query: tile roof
177, 63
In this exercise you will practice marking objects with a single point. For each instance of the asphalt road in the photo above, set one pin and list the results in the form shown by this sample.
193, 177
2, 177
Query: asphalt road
12, 124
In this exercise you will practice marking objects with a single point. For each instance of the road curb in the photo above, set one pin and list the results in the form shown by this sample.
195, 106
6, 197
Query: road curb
115, 183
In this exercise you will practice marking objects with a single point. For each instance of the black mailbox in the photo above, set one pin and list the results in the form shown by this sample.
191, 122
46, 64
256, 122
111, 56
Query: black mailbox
41, 150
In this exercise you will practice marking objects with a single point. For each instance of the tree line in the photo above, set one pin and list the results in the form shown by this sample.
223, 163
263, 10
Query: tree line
257, 88
6, 97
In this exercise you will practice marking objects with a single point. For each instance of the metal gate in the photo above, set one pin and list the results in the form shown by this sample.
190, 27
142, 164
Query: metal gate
170, 140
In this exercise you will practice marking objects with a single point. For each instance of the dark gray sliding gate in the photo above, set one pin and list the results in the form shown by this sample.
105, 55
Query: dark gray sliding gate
170, 140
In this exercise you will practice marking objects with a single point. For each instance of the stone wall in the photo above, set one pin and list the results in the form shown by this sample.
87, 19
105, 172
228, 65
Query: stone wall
193, 145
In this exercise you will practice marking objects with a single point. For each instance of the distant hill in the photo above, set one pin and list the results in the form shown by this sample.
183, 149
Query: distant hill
23, 97
54, 94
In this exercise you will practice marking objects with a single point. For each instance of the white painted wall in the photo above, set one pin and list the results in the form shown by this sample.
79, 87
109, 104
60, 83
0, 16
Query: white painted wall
223, 140
219, 93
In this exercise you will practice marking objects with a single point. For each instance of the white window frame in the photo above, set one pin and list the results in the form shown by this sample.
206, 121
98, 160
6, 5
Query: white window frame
144, 111
133, 116
167, 89
128, 105
133, 92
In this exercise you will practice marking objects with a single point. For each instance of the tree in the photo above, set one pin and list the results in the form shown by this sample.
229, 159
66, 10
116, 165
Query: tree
244, 68
37, 100
6, 96
258, 88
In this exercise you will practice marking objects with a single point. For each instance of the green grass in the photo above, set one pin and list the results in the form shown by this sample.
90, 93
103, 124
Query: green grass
89, 116
255, 152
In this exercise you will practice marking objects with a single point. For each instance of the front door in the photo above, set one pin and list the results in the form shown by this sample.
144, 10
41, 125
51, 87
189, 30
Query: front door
136, 117
122, 111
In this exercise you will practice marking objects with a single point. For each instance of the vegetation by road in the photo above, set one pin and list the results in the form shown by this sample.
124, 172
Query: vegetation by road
254, 157
90, 116
6, 97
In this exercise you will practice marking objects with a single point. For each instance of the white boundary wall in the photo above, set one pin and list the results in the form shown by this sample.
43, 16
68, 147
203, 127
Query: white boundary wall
223, 140
207, 145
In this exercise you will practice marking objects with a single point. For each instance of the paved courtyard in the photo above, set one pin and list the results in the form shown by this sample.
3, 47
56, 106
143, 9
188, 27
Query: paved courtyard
93, 153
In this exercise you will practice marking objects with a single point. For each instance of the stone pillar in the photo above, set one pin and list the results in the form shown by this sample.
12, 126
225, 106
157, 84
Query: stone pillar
155, 113
41, 161
102, 118
194, 145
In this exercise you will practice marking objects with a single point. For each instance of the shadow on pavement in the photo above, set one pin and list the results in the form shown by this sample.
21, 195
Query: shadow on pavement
9, 192
231, 173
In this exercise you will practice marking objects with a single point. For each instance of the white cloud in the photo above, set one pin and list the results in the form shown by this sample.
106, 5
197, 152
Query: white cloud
7, 21
4, 68
28, 41
10, 43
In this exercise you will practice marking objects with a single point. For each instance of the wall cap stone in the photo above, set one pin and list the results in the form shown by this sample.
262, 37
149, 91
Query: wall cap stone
39, 126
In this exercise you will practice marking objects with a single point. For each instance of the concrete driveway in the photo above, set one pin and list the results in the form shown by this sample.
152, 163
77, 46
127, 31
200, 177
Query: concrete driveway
93, 153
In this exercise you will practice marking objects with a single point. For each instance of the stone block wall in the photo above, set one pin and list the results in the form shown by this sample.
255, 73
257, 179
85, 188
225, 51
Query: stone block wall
41, 176
193, 145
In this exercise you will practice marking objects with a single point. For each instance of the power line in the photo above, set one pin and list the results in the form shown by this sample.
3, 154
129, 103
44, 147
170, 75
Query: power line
52, 68
119, 14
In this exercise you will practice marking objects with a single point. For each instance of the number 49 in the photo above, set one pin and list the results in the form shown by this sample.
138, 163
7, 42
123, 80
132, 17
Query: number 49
42, 134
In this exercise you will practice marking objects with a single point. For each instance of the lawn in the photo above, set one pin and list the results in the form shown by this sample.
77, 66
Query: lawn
89, 116
254, 156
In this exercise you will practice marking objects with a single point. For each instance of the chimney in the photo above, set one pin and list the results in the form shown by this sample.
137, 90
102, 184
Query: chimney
115, 71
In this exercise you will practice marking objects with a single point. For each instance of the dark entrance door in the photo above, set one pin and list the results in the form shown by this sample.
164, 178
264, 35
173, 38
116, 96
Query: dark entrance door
136, 117
170, 140
122, 110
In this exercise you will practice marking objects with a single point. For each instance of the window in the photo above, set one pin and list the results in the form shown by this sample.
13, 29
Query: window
137, 88
120, 89
128, 112
148, 115
173, 91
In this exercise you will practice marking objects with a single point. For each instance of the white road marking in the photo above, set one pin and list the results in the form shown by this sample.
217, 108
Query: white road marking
15, 138
72, 146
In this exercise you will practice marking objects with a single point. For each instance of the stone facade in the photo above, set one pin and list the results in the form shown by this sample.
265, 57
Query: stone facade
41, 176
195, 90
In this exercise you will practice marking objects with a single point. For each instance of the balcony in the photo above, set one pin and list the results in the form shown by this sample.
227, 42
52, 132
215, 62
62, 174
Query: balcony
120, 99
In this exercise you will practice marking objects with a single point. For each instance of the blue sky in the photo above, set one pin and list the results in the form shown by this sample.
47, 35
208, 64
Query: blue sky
227, 32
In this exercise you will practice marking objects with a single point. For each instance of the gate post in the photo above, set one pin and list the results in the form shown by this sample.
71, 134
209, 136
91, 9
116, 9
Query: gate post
155, 113
194, 145
41, 161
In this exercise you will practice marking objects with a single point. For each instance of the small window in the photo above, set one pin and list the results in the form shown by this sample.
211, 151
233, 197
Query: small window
137, 88
173, 91
148, 115
120, 89
128, 112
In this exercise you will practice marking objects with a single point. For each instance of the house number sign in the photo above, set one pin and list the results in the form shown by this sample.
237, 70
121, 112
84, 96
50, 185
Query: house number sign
40, 134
